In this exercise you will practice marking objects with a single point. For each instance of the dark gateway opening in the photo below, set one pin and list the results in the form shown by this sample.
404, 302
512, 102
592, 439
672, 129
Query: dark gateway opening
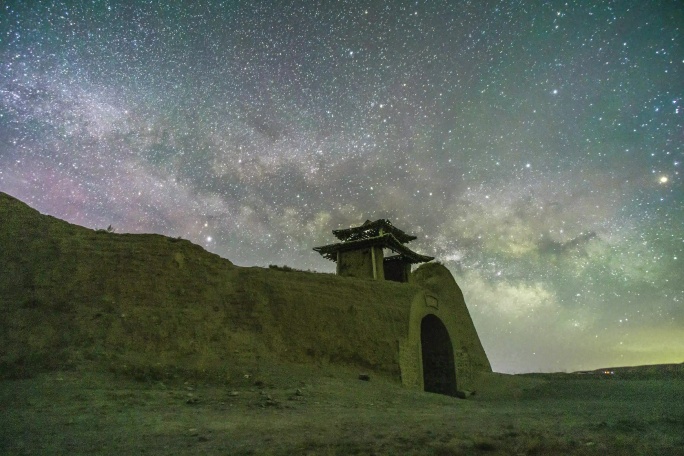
439, 373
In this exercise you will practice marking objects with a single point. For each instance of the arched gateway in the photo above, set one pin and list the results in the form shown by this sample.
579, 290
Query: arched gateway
439, 372
439, 345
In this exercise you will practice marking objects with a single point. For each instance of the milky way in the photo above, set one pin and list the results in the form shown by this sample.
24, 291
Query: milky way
533, 147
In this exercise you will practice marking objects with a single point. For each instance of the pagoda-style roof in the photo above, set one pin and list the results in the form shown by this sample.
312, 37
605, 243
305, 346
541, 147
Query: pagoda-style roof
387, 240
371, 230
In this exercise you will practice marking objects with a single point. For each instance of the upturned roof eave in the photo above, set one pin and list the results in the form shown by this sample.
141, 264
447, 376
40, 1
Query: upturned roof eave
386, 240
346, 233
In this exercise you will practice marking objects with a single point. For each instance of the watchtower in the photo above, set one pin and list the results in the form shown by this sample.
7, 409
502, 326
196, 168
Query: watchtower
362, 252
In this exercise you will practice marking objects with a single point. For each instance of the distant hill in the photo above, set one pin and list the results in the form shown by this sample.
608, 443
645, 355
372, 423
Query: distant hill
647, 371
650, 371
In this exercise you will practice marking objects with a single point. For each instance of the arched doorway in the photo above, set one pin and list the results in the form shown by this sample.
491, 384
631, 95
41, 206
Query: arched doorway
439, 372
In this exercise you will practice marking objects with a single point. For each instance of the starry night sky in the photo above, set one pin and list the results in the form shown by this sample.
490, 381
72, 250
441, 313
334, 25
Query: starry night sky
534, 147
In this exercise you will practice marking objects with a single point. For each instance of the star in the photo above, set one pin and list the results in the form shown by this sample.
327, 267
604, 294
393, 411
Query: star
247, 124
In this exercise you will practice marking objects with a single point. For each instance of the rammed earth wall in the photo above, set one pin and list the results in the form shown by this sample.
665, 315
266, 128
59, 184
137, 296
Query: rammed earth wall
69, 294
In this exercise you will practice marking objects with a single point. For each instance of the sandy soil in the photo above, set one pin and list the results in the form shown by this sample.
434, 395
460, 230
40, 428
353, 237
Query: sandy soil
328, 410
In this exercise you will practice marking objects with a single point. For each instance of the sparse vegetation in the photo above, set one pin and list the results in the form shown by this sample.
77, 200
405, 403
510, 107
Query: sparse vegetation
294, 409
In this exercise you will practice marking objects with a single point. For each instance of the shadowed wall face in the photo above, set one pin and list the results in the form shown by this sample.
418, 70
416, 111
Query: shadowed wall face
439, 372
397, 271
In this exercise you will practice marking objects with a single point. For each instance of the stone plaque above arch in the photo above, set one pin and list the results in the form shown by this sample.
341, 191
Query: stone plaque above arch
431, 301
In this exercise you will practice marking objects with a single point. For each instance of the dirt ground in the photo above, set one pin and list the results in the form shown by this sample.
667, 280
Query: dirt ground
329, 411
